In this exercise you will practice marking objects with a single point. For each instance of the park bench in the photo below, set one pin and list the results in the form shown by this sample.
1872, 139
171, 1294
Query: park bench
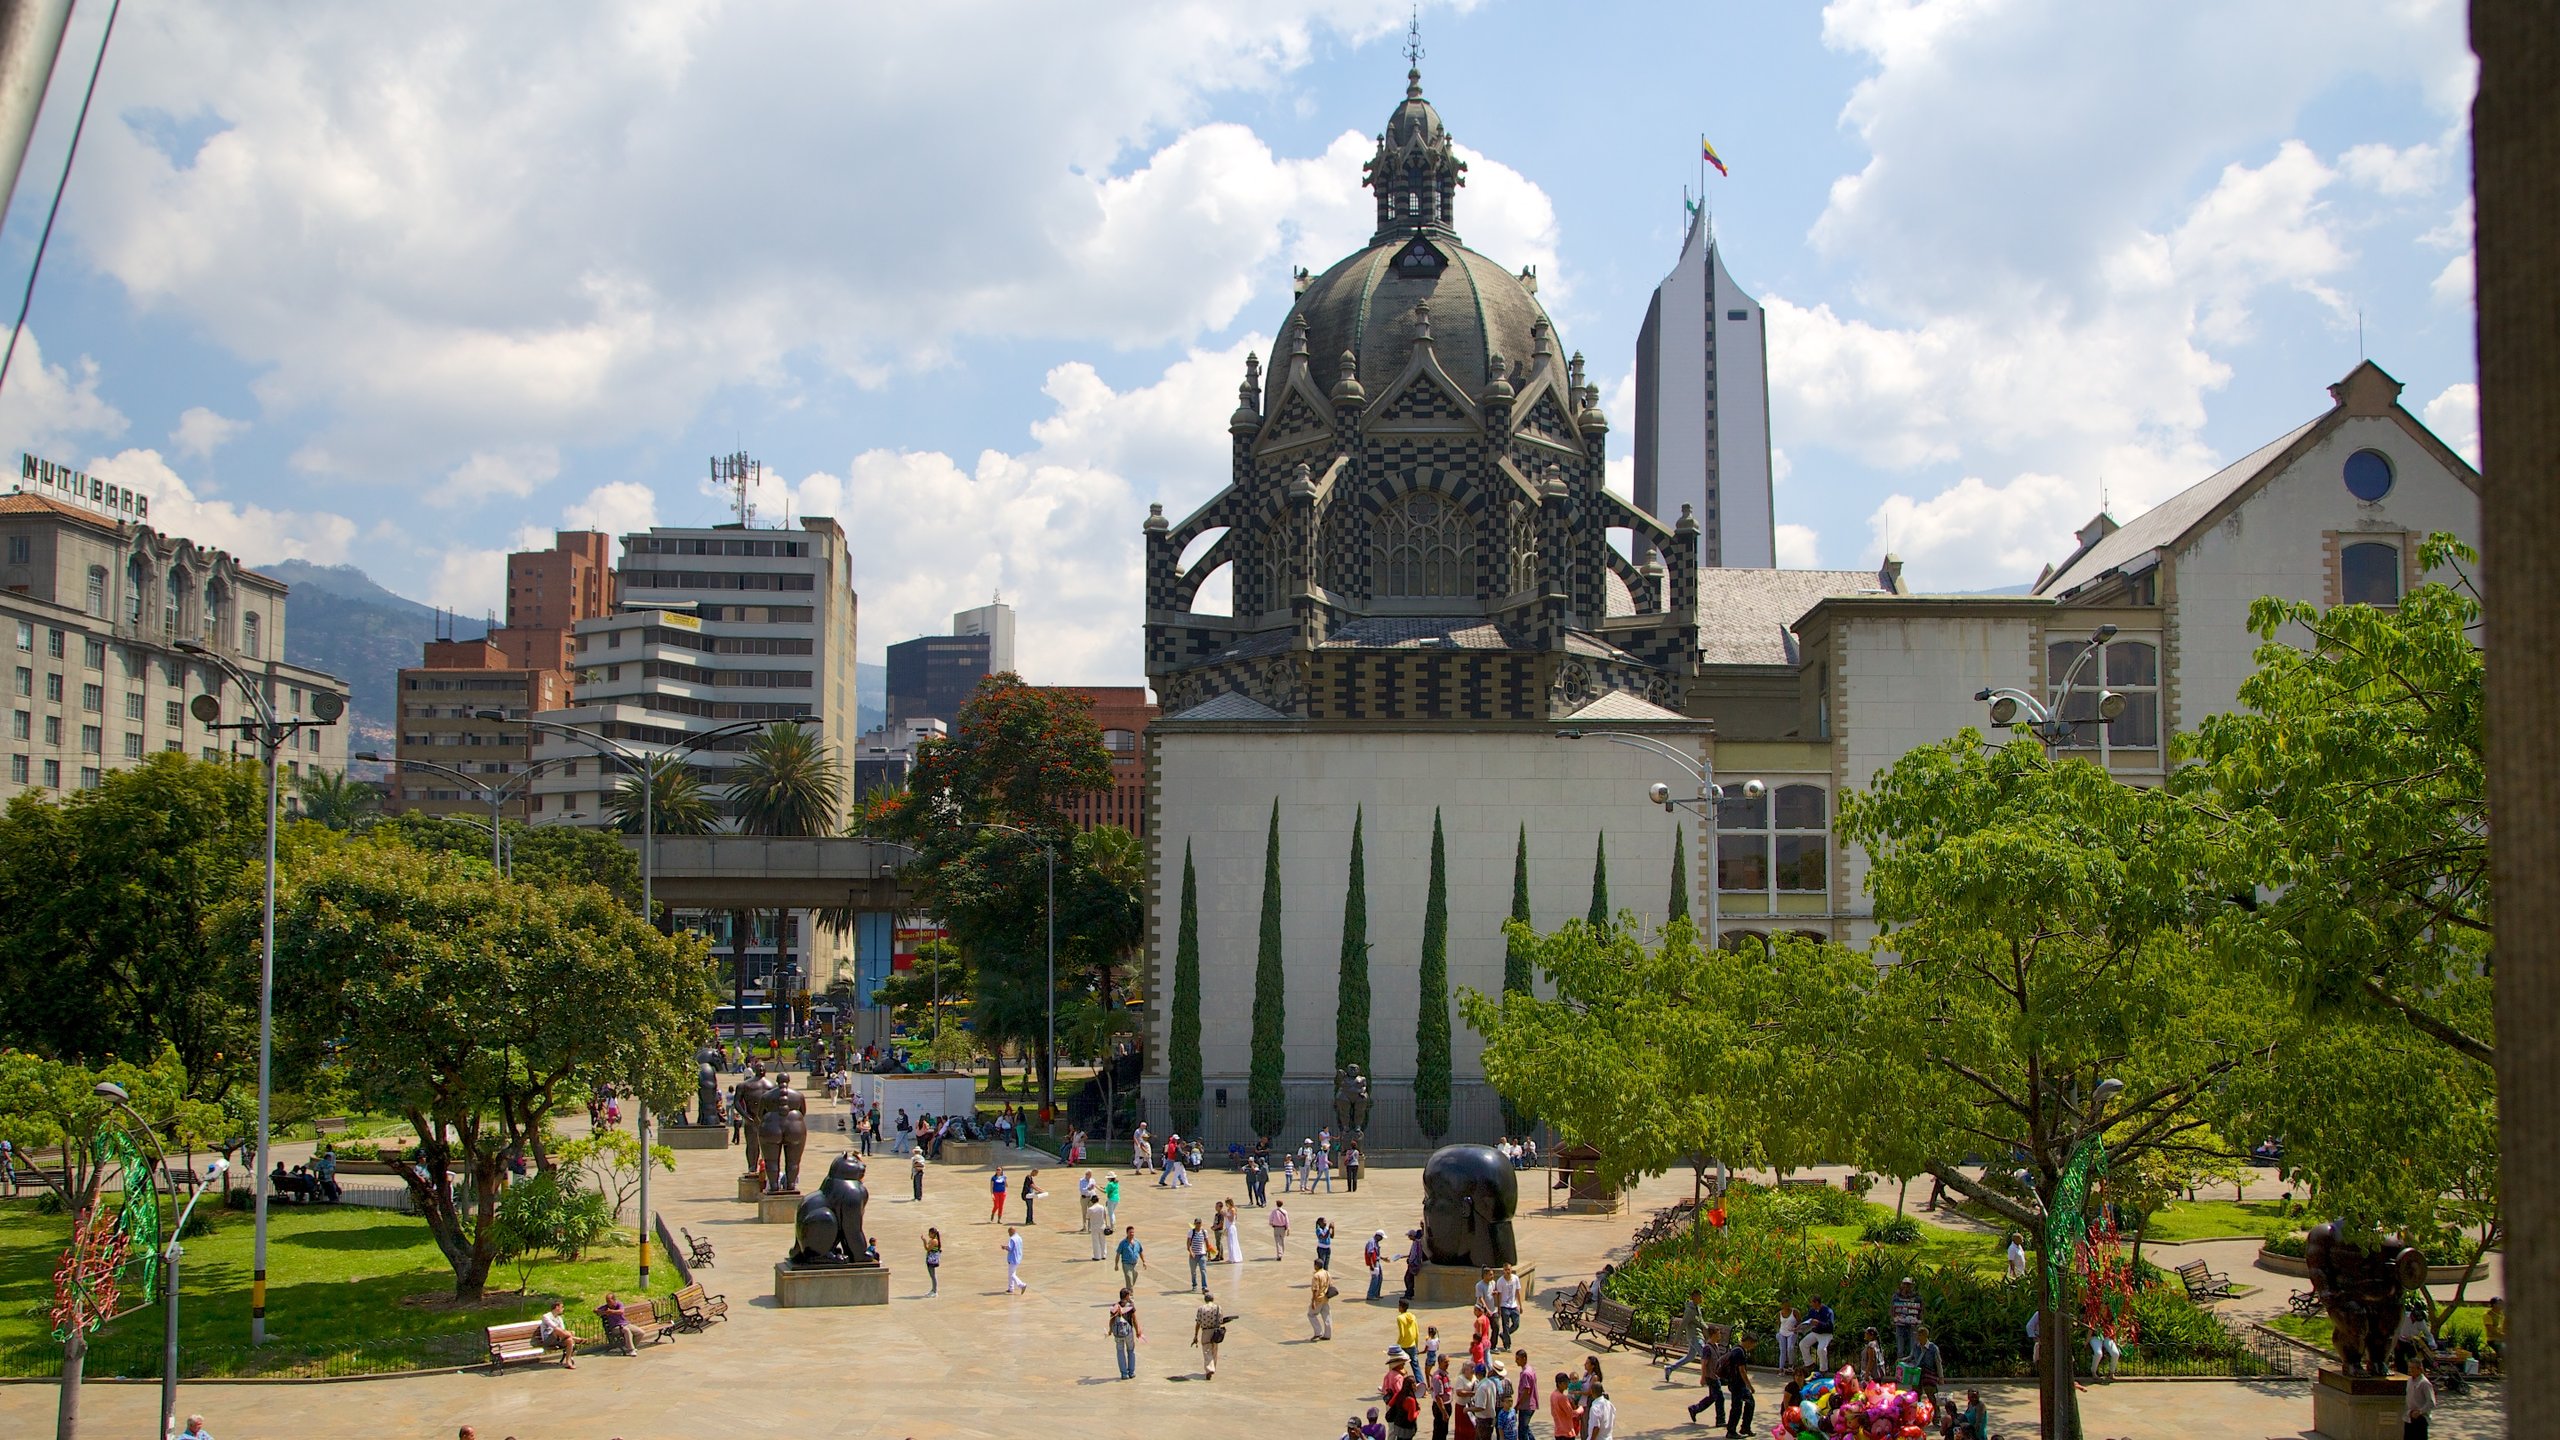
2305, 1304
1802, 1182
1607, 1321
641, 1324
329, 1125
1671, 1346
697, 1252
517, 1341
1566, 1307
2203, 1284
696, 1309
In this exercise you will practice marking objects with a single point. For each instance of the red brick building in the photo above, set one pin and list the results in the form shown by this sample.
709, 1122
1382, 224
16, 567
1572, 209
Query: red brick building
1123, 712
548, 591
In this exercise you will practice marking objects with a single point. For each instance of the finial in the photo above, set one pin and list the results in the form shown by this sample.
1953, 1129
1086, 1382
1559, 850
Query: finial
1498, 391
1346, 385
1298, 337
1156, 522
1688, 520
1302, 486
1573, 371
1413, 55
1252, 370
1422, 322
1538, 336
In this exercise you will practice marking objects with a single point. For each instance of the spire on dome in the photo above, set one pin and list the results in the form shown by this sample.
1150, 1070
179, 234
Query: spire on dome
1415, 173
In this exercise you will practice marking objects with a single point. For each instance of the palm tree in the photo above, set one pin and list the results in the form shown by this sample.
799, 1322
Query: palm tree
789, 781
679, 805
336, 801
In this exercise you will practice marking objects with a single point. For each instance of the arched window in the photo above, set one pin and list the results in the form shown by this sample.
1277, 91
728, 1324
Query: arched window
2369, 573
98, 591
137, 579
249, 639
174, 596
1120, 742
1422, 548
217, 601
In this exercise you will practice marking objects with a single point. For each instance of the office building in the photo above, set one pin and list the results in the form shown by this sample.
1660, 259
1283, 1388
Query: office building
442, 707
549, 592
94, 602
1702, 407
885, 753
932, 676
1124, 712
995, 621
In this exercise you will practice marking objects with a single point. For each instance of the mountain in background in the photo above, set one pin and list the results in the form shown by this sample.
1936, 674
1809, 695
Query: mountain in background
338, 620
870, 698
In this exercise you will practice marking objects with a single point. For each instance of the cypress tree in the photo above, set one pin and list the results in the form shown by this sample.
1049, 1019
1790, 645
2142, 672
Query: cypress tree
1182, 1051
1351, 1005
1679, 876
1266, 1096
1431, 1026
1515, 964
1599, 916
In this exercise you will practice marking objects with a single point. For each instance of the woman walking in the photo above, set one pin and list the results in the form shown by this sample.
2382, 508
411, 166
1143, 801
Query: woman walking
1208, 1331
1125, 1335
1111, 1197
1320, 1293
1280, 1232
1235, 1237
933, 1260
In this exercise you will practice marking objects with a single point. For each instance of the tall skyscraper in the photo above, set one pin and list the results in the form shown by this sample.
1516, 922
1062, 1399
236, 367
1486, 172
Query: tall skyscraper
932, 676
1702, 407
995, 621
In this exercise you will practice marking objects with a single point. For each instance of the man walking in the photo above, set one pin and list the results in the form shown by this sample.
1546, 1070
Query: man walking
1196, 1245
1013, 1262
1208, 1331
1697, 1350
915, 1170
1506, 1299
1132, 1255
1740, 1405
1097, 1223
1524, 1395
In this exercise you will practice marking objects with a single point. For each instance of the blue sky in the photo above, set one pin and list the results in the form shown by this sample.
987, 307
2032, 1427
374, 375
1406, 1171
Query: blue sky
407, 287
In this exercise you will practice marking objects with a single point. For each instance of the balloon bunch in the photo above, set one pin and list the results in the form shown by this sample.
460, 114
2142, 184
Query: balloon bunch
1842, 1407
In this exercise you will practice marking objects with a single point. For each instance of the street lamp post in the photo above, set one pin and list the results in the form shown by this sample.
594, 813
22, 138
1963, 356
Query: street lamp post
271, 735
169, 1255
1709, 792
2045, 718
605, 745
496, 797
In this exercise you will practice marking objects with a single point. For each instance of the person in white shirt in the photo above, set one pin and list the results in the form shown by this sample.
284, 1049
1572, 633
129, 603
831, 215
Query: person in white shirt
2421, 1401
1013, 1262
1097, 1223
1600, 1414
2017, 1258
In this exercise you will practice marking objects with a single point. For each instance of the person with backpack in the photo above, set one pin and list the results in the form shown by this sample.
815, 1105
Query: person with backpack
1402, 1396
1734, 1369
1125, 1334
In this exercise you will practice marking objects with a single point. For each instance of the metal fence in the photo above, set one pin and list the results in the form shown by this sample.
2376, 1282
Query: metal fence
1475, 1114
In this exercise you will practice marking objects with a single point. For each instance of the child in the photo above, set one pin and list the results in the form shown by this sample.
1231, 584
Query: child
1871, 1366
1431, 1350
1373, 1430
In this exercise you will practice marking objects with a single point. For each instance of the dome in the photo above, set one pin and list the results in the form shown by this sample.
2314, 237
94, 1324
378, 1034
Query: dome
1365, 306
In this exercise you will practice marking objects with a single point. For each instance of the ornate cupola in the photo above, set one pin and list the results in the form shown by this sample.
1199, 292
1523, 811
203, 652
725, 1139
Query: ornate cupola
1416, 172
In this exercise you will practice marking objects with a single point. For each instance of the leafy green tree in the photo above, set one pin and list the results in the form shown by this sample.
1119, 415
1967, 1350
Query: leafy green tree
608, 1163
1265, 1091
1351, 999
1679, 876
1598, 915
330, 798
677, 802
473, 1008
110, 895
1517, 964
1431, 1062
942, 976
1102, 908
1183, 1081
2352, 793
549, 1214
789, 781
553, 856
2045, 920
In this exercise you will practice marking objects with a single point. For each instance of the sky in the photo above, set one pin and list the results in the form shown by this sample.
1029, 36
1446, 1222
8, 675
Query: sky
409, 286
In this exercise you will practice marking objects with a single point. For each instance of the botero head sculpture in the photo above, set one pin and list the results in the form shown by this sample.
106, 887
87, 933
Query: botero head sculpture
1469, 1195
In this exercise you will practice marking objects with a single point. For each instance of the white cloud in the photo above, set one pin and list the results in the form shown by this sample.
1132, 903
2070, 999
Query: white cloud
1978, 536
256, 534
2455, 417
515, 472
48, 408
620, 508
470, 582
2398, 171
201, 431
2453, 283
1798, 547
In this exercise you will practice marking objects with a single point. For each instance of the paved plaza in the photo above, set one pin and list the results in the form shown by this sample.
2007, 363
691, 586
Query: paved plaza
973, 1362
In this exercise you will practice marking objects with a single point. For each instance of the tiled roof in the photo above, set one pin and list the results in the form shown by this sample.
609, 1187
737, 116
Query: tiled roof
2168, 522
1746, 617
1255, 646
1230, 706
21, 503
1582, 642
1421, 632
1619, 705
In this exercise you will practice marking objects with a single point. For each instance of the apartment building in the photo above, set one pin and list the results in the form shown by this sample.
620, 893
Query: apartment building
1123, 712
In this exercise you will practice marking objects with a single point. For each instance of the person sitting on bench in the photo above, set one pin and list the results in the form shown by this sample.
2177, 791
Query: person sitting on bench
553, 1333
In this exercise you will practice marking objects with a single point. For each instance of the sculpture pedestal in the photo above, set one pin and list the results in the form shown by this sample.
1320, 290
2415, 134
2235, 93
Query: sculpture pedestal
969, 1152
750, 1188
782, 1208
1456, 1284
799, 1288
694, 1137
2360, 1407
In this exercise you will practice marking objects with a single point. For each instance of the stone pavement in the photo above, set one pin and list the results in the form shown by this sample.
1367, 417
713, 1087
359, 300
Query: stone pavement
972, 1362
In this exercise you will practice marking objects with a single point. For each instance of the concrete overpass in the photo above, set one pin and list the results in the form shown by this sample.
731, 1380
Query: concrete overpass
759, 872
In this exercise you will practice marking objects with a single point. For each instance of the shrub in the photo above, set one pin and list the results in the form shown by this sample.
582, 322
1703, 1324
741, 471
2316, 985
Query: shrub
199, 1223
2290, 1243
544, 1214
1900, 1230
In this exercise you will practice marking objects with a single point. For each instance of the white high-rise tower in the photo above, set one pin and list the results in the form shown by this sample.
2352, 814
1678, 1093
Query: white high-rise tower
1702, 407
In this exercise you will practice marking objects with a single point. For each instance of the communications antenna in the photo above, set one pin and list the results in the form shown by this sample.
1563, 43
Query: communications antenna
741, 475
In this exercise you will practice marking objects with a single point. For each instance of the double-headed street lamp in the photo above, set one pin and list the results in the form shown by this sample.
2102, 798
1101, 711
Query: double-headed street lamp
2046, 719
496, 797
271, 734
170, 1254
647, 765
1704, 802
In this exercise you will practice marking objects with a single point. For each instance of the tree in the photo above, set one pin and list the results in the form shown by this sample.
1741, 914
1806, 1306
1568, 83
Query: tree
1517, 965
1598, 916
1266, 1093
2352, 789
1351, 997
789, 782
1102, 907
1183, 1083
332, 799
111, 894
1431, 1064
2045, 920
472, 1007
1679, 876
608, 1163
941, 976
677, 801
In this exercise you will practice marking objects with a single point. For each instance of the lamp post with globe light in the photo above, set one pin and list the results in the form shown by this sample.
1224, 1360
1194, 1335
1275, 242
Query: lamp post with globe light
2046, 718
1704, 802
270, 733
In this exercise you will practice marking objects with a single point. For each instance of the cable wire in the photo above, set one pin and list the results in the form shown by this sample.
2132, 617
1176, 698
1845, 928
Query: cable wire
64, 183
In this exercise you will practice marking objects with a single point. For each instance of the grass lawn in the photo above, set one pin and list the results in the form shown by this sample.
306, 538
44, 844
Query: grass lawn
349, 1290
2218, 1220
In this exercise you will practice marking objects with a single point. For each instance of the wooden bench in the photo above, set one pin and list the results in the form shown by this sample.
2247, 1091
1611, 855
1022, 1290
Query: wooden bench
642, 1325
329, 1125
518, 1341
696, 1309
697, 1252
1606, 1320
1671, 1346
1566, 1306
2203, 1284
1803, 1182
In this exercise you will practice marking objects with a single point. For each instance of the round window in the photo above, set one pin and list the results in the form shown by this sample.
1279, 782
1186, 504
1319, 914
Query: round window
2368, 475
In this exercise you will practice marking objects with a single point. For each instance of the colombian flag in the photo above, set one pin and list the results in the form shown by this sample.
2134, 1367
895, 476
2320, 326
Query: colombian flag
1707, 153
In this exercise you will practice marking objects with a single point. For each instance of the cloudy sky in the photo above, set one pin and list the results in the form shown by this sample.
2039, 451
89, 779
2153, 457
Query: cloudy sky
407, 286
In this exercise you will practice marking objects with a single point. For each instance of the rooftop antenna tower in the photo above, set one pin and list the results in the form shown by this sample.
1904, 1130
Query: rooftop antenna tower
740, 475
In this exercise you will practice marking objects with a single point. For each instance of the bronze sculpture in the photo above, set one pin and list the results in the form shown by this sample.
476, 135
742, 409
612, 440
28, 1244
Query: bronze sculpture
830, 1224
706, 1085
2360, 1281
1469, 1195
1350, 1101
782, 1132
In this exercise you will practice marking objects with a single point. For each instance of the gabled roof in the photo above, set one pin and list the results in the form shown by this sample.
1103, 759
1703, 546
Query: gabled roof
1619, 705
1747, 617
20, 503
1230, 706
2168, 522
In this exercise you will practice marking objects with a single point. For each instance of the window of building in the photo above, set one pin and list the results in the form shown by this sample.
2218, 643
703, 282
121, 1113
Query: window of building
21, 550
93, 698
249, 633
18, 769
2369, 573
2130, 668
137, 578
93, 740
53, 730
53, 643
26, 635
1776, 843
53, 774
22, 725
97, 601
90, 777
2368, 475
172, 712
53, 688
133, 706
172, 596
1422, 547
1120, 742
132, 746
93, 653
1737, 314
26, 681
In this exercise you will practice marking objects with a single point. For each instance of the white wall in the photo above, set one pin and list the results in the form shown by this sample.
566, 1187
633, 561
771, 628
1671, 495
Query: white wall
1215, 793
